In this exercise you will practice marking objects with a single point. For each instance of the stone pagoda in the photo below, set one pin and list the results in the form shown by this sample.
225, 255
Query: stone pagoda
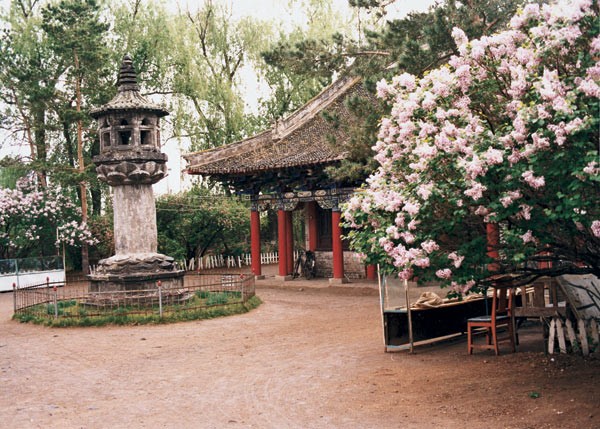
130, 161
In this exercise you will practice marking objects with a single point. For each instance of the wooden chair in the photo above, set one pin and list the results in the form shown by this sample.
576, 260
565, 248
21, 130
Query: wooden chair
502, 302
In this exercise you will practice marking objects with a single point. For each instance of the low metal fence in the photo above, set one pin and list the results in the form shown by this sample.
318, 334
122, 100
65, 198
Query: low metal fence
64, 300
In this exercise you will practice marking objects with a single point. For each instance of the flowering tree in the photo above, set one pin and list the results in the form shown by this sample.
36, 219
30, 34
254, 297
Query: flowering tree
33, 222
506, 134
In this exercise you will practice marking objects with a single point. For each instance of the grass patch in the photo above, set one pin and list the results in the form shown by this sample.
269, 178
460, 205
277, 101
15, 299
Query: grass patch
215, 304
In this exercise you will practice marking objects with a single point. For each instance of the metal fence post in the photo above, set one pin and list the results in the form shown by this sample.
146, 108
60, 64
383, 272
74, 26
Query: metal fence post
14, 298
55, 302
160, 309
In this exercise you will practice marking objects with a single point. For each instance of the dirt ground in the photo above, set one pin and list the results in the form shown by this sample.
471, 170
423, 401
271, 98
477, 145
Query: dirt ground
310, 356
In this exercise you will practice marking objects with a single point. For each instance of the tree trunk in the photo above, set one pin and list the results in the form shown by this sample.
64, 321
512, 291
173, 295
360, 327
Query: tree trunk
39, 130
85, 263
95, 190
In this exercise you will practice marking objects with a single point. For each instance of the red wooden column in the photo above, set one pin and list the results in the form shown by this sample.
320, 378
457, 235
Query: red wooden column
311, 215
255, 242
493, 241
336, 244
371, 272
289, 241
281, 241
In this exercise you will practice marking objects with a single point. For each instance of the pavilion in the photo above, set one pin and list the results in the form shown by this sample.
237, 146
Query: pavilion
284, 168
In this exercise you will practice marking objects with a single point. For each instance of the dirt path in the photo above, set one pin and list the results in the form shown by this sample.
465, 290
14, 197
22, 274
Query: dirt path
310, 358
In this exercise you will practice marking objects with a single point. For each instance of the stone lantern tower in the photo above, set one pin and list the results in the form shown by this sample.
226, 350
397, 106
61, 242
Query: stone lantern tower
130, 161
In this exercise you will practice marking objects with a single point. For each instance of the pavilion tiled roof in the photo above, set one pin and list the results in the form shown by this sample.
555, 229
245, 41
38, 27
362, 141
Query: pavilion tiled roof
302, 139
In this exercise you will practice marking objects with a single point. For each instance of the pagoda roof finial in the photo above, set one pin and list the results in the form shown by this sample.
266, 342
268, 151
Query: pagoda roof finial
127, 76
128, 97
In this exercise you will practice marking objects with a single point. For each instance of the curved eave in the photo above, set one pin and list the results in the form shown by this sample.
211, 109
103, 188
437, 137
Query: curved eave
127, 101
96, 113
221, 171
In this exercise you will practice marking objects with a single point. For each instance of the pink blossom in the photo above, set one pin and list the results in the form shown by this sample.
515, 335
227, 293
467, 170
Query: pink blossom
574, 125
426, 129
462, 103
460, 38
429, 101
421, 262
589, 88
406, 80
540, 142
424, 150
424, 191
493, 156
542, 112
482, 211
442, 81
399, 220
560, 133
413, 224
475, 191
392, 231
383, 89
531, 180
595, 45
595, 227
474, 168
530, 12
514, 157
412, 208
408, 237
405, 274
592, 168
550, 86
510, 196
430, 246
456, 259
528, 237
519, 84
463, 74
445, 273
462, 289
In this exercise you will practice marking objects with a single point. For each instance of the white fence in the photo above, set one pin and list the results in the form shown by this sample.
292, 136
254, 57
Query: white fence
30, 271
220, 261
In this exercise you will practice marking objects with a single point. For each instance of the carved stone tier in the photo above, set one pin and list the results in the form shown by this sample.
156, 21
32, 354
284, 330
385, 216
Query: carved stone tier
140, 271
135, 263
136, 281
119, 169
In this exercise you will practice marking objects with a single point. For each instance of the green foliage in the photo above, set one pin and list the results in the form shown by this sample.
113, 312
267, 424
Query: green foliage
193, 223
102, 229
123, 316
11, 170
212, 50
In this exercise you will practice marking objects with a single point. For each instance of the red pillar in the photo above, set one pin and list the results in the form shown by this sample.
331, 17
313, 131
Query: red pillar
493, 241
289, 241
281, 241
371, 272
255, 242
311, 215
338, 251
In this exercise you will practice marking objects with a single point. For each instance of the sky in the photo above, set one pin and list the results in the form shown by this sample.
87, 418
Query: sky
261, 9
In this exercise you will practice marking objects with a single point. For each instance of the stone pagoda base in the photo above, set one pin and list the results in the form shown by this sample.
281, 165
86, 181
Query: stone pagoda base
135, 272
